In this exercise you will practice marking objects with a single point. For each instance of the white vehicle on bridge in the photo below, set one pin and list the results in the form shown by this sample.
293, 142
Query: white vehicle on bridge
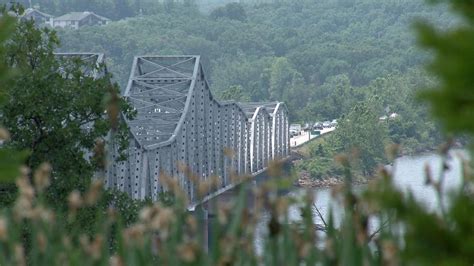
326, 124
306, 127
318, 126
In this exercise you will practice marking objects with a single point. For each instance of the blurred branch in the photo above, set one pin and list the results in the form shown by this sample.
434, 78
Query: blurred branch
320, 215
382, 226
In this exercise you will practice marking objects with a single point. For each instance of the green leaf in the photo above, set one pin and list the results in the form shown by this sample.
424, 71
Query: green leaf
10, 162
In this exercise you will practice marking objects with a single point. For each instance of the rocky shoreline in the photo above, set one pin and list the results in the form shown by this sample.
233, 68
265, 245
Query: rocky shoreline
306, 181
326, 183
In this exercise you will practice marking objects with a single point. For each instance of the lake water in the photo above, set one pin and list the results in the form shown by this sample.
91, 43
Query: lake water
409, 176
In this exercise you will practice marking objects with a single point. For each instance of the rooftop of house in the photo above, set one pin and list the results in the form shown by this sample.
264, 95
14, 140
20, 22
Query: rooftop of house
78, 16
29, 11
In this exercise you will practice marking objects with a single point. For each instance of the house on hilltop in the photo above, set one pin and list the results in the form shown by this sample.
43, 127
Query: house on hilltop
77, 20
39, 17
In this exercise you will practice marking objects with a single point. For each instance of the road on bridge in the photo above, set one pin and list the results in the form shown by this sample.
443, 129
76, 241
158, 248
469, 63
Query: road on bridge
305, 137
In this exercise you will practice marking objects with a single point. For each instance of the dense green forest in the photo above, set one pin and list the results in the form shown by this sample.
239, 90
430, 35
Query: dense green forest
273, 48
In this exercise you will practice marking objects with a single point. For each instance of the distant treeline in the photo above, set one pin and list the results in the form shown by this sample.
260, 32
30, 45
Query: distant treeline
119, 9
113, 9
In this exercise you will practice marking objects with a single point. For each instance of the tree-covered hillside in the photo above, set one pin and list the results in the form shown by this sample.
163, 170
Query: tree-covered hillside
286, 51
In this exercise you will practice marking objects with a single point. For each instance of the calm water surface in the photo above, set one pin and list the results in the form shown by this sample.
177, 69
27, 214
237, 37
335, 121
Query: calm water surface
409, 176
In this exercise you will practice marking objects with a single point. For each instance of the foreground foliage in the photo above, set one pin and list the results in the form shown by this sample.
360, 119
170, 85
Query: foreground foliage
243, 233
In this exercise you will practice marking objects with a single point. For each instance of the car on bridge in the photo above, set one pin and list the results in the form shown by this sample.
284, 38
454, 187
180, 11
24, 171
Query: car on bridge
306, 127
295, 130
318, 126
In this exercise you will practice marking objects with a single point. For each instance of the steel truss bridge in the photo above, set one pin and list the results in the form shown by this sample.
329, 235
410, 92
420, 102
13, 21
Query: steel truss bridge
180, 123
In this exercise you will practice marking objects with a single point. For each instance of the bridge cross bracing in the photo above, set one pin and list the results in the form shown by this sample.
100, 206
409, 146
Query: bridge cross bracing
179, 122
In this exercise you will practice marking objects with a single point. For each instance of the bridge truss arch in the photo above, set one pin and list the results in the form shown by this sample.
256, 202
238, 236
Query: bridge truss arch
179, 122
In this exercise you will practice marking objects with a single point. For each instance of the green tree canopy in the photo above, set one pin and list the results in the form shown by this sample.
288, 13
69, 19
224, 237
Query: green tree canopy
235, 93
55, 109
233, 11
362, 133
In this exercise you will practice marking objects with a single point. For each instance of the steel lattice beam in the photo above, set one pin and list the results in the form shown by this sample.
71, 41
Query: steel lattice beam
180, 122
